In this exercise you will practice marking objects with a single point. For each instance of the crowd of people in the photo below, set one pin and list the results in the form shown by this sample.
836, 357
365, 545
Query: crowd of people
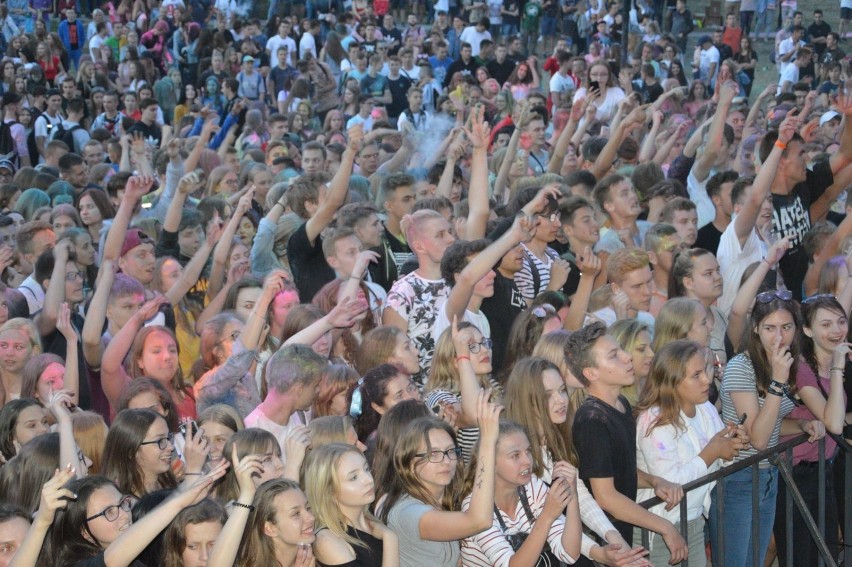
376, 283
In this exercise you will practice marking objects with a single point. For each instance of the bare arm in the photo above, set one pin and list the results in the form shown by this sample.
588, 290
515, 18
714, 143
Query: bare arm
54, 297
477, 218
564, 140
590, 266
337, 189
223, 247
648, 150
93, 348
136, 188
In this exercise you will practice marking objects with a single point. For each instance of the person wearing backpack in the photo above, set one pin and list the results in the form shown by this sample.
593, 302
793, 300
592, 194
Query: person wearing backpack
70, 130
47, 122
13, 135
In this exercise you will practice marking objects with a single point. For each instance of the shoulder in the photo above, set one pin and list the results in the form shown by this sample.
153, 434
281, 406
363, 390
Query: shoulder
331, 549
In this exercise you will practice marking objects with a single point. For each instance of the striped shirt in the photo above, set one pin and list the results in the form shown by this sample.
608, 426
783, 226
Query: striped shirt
491, 548
534, 275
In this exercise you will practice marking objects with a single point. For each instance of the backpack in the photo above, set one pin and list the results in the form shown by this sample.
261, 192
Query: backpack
65, 135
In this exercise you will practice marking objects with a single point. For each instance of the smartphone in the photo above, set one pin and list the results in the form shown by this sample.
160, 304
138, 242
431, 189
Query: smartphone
743, 419
594, 85
188, 427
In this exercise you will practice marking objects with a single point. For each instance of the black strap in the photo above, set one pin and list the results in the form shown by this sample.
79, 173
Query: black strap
525, 503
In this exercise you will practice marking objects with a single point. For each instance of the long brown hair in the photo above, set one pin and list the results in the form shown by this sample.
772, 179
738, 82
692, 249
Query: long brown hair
667, 371
177, 382
125, 436
376, 348
754, 348
526, 404
256, 548
174, 538
809, 311
90, 432
406, 481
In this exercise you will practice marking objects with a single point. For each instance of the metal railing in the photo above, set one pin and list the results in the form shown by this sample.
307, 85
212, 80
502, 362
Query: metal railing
794, 497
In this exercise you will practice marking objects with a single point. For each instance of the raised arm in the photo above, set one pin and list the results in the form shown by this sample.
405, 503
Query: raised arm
93, 328
192, 272
335, 194
636, 119
455, 153
590, 266
58, 405
477, 218
708, 157
227, 544
341, 317
564, 140
223, 247
136, 188
649, 148
54, 297
830, 249
439, 525
71, 381
113, 376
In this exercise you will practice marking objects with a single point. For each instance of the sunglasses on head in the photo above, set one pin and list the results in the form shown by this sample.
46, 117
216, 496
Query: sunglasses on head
767, 296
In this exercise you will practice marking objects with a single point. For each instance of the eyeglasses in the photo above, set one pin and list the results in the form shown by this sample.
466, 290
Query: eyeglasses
767, 296
476, 347
816, 297
553, 217
73, 276
80, 456
438, 456
232, 337
111, 513
162, 442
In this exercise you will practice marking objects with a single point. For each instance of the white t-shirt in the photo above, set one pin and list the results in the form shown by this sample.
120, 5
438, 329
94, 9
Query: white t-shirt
791, 74
95, 47
705, 60
733, 261
607, 106
608, 316
698, 195
474, 38
442, 323
275, 42
259, 420
560, 83
307, 43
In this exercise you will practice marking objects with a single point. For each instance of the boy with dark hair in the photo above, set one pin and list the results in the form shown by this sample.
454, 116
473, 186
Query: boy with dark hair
719, 189
604, 434
681, 214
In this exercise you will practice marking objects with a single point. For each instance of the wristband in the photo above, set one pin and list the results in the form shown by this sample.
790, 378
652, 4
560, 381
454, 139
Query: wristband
837, 369
783, 387
775, 392
463, 357
248, 507
354, 278
192, 474
780, 145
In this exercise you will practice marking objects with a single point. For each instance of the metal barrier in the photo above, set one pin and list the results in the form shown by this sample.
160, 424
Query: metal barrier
817, 530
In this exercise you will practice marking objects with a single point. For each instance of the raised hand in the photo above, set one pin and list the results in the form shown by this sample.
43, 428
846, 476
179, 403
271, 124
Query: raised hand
58, 404
54, 496
7, 256
621, 304
781, 361
479, 132
149, 308
588, 262
559, 271
296, 444
137, 187
196, 450
62, 251
461, 339
305, 556
245, 470
487, 417
214, 231
777, 251
365, 257
237, 270
355, 136
578, 109
63, 324
189, 182
345, 313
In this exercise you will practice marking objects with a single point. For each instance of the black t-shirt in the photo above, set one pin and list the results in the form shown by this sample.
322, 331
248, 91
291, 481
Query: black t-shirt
708, 238
650, 93
819, 30
791, 217
398, 89
501, 71
152, 133
605, 440
307, 262
501, 310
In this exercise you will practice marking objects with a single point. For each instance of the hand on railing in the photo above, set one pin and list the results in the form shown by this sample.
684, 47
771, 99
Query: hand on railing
668, 492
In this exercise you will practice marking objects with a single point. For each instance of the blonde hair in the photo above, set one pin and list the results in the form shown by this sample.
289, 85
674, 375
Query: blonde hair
90, 432
624, 261
675, 320
27, 327
626, 333
329, 429
444, 374
321, 482
412, 224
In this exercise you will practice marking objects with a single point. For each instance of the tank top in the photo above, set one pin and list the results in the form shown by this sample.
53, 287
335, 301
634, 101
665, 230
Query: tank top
371, 556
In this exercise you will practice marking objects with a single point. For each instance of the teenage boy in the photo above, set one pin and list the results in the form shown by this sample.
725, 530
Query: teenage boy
50, 119
293, 375
616, 197
397, 193
582, 229
147, 126
413, 300
415, 114
719, 190
346, 255
33, 239
681, 214
304, 249
661, 242
629, 273
604, 434
375, 84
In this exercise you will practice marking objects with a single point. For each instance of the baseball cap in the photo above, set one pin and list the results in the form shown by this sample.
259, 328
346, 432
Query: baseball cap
829, 116
134, 237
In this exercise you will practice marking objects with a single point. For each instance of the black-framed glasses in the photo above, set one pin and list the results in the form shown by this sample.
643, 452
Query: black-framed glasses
438, 456
476, 347
73, 276
767, 296
111, 513
818, 296
162, 442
